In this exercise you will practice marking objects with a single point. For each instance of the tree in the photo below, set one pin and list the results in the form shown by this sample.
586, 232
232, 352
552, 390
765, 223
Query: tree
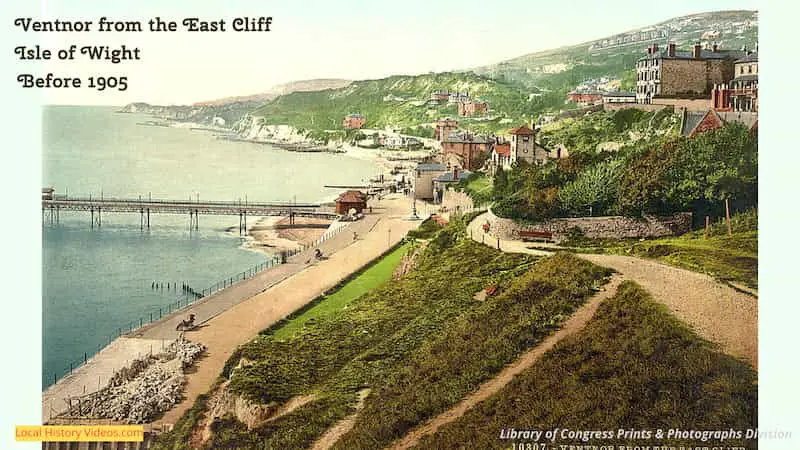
693, 173
595, 190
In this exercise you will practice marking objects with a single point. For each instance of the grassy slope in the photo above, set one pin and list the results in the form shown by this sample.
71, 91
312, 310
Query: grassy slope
506, 86
337, 355
583, 63
472, 349
325, 109
423, 337
363, 283
479, 187
635, 366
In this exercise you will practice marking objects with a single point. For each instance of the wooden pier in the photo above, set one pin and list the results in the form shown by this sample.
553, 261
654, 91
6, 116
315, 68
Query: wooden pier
53, 205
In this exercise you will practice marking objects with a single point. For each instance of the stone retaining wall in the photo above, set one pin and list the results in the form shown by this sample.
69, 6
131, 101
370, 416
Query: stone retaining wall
609, 227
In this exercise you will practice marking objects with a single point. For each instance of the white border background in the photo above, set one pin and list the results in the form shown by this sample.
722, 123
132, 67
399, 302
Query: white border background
779, 396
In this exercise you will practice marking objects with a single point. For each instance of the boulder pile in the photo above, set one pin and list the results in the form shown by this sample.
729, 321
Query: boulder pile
146, 388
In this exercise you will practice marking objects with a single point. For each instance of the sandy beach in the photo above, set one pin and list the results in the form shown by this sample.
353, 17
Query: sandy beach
273, 234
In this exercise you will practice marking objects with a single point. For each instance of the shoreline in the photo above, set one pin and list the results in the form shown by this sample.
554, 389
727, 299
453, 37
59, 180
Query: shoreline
269, 236
232, 316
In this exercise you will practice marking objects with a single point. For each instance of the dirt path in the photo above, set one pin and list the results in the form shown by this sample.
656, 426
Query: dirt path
334, 433
237, 325
575, 323
715, 311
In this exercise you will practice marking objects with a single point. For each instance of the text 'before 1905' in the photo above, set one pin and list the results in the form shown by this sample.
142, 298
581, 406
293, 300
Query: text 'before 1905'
101, 83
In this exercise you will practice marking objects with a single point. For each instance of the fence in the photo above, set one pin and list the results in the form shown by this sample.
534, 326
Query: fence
190, 296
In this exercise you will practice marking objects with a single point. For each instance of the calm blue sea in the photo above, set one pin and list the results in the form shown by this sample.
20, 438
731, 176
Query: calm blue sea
96, 281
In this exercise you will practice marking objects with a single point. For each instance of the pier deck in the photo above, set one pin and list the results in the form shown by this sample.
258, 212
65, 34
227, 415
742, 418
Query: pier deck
53, 205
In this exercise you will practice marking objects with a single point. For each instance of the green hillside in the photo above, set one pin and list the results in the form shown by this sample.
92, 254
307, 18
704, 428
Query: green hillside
518, 90
563, 68
402, 101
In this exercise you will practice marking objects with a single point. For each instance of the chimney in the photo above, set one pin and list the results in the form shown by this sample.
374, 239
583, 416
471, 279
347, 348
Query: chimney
696, 52
671, 49
455, 173
715, 47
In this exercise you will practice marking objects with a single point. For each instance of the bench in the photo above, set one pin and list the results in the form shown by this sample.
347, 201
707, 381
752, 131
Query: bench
536, 236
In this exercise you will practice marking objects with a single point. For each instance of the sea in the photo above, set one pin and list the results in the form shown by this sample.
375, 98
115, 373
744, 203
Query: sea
98, 280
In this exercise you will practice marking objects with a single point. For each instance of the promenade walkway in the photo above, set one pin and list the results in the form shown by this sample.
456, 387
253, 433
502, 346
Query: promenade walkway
232, 316
236, 326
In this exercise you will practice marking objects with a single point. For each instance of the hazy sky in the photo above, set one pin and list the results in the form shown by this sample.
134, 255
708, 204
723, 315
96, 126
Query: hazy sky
315, 39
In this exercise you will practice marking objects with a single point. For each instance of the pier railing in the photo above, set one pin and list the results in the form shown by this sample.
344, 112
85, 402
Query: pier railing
190, 296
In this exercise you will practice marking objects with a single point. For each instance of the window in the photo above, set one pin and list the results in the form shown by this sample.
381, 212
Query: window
749, 69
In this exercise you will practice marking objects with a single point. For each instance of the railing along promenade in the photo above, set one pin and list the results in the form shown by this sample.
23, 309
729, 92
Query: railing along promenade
189, 296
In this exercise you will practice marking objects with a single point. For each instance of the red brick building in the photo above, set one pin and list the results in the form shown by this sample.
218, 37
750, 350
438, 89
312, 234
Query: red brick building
351, 200
473, 108
585, 98
468, 147
354, 121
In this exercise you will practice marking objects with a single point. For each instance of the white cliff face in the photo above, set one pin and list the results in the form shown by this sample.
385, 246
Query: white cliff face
253, 128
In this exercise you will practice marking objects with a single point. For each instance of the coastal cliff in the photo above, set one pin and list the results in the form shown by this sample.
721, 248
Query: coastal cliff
217, 115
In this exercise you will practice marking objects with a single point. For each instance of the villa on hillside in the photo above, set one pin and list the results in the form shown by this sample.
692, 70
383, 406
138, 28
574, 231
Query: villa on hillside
457, 97
467, 147
585, 98
741, 94
473, 108
354, 121
438, 97
683, 74
522, 146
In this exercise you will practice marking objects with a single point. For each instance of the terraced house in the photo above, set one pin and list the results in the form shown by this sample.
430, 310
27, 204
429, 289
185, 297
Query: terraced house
670, 73
741, 94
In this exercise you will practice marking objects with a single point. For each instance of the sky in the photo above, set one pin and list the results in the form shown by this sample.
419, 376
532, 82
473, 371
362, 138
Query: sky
315, 39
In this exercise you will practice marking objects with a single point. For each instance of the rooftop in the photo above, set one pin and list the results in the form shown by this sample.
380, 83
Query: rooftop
748, 77
619, 94
585, 92
704, 54
523, 130
752, 57
503, 149
352, 197
431, 168
465, 137
448, 177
